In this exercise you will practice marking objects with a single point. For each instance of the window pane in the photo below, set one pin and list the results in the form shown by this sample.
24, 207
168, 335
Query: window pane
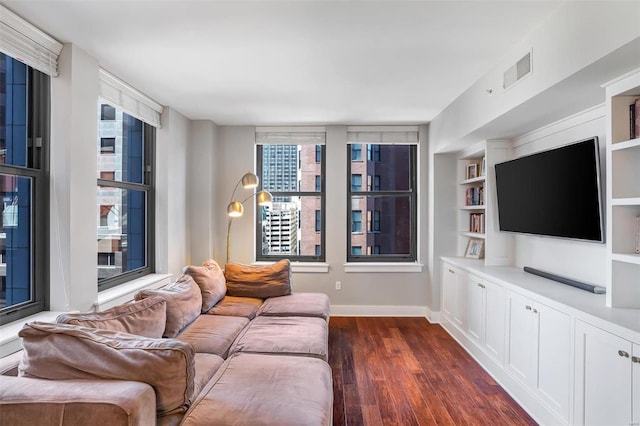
122, 231
390, 228
15, 240
356, 152
291, 227
13, 111
388, 168
121, 146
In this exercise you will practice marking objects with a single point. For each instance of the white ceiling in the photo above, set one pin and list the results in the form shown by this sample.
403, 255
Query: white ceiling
294, 62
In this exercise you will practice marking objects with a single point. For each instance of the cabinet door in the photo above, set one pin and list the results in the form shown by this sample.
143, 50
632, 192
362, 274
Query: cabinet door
636, 384
554, 357
603, 377
460, 305
523, 332
476, 309
449, 287
494, 321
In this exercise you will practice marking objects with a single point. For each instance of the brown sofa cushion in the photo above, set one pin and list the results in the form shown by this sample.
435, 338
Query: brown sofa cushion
297, 304
211, 281
213, 334
184, 303
62, 351
233, 306
146, 317
258, 281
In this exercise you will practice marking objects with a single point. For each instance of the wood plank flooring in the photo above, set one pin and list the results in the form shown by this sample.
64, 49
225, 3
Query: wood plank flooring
406, 371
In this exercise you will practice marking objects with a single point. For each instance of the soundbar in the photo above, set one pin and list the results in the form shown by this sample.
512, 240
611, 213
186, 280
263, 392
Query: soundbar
564, 280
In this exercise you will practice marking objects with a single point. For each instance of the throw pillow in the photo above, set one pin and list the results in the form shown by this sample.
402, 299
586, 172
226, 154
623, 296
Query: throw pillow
211, 281
258, 281
184, 303
63, 351
146, 317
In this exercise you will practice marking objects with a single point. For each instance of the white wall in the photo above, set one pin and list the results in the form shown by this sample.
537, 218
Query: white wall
363, 293
585, 261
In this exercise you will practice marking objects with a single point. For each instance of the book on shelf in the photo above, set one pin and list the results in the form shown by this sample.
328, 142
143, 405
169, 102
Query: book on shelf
476, 223
634, 119
474, 196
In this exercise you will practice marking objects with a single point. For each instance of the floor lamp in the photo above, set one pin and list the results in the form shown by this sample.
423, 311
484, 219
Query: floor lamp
236, 208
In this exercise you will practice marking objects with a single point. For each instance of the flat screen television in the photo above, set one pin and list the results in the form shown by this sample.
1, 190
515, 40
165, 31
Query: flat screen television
553, 193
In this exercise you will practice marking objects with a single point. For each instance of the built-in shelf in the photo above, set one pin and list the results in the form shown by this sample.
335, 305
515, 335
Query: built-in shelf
473, 235
473, 180
634, 201
626, 257
479, 207
633, 143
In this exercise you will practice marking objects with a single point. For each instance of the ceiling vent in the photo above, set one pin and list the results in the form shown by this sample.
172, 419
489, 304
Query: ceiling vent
518, 71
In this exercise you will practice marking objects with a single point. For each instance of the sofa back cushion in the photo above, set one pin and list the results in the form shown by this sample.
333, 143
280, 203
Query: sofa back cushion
211, 281
146, 317
63, 351
258, 281
184, 303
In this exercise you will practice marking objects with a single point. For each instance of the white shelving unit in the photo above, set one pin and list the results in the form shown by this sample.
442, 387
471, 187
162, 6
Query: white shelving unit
497, 246
623, 194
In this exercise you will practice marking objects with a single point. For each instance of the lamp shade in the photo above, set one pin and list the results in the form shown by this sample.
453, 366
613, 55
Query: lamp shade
250, 180
264, 197
235, 209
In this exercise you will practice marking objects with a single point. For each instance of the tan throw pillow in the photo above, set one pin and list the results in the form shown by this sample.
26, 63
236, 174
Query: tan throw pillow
258, 281
146, 317
211, 281
63, 351
184, 303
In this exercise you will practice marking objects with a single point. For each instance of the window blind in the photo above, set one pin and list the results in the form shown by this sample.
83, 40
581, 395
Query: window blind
26, 43
120, 94
383, 134
291, 135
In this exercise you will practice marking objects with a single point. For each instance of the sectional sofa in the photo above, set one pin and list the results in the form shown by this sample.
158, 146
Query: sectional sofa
211, 348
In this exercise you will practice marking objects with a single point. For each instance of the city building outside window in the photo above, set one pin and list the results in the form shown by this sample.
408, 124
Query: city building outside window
24, 189
125, 197
356, 152
389, 199
356, 182
291, 166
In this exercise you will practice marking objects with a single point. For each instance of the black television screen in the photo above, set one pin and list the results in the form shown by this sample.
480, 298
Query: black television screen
554, 193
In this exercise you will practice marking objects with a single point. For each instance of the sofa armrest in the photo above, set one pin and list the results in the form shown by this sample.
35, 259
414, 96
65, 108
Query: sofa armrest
28, 401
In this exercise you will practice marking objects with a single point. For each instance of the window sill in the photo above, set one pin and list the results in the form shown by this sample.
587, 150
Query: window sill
303, 267
125, 292
400, 267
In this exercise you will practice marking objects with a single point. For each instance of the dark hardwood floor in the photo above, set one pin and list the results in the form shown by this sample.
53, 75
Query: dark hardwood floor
405, 371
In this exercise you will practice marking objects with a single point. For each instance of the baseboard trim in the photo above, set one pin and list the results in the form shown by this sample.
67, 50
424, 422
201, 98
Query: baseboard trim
380, 311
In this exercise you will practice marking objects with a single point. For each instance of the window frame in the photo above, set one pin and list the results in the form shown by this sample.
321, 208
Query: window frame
321, 194
39, 129
412, 193
148, 187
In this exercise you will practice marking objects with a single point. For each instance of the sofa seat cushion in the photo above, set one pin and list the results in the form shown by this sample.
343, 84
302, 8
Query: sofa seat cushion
237, 307
211, 281
62, 351
29, 401
297, 304
213, 334
206, 365
184, 303
307, 336
259, 281
146, 317
252, 389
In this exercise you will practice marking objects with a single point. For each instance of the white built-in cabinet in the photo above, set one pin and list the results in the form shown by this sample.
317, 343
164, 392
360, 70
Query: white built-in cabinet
539, 350
544, 351
607, 378
623, 190
485, 316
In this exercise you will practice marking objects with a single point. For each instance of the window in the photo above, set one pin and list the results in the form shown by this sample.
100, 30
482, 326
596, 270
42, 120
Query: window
356, 221
24, 189
107, 112
389, 199
356, 152
291, 166
125, 197
356, 182
107, 145
356, 250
